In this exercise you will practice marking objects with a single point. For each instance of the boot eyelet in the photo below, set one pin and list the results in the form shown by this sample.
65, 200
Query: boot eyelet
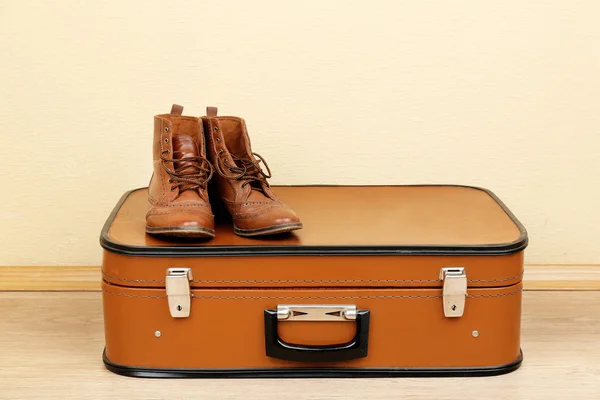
166, 140
216, 128
166, 129
217, 140
221, 151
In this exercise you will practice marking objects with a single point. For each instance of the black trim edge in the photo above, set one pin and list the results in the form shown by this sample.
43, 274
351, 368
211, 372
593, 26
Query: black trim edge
233, 251
162, 373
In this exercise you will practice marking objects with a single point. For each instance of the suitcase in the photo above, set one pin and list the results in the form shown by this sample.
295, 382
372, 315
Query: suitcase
381, 281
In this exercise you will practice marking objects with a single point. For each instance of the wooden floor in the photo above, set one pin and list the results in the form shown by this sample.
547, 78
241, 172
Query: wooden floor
51, 345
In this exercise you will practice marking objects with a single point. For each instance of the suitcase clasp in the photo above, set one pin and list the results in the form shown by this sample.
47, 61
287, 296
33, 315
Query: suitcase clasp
178, 291
454, 290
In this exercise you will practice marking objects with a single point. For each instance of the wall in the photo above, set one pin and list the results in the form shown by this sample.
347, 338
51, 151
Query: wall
496, 94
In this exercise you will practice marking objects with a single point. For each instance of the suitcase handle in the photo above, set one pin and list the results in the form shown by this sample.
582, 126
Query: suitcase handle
352, 350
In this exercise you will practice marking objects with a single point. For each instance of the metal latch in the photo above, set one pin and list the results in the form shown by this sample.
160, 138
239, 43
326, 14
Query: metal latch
178, 291
454, 291
316, 312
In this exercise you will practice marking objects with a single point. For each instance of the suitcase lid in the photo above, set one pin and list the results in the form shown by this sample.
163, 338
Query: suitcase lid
345, 220
351, 236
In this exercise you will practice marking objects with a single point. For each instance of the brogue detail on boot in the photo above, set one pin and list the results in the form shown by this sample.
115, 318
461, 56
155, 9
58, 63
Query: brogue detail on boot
241, 182
178, 196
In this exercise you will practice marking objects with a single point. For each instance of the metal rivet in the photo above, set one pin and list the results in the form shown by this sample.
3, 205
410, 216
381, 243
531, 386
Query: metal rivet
166, 129
157, 333
179, 308
475, 333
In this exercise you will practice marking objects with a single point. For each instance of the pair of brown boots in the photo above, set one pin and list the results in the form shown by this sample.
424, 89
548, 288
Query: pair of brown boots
192, 154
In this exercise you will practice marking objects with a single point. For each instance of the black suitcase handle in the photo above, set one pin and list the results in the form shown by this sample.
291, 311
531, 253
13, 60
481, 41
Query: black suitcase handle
352, 350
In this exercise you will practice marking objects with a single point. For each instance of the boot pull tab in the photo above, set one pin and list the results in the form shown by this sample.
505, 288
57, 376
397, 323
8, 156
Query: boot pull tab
211, 111
176, 109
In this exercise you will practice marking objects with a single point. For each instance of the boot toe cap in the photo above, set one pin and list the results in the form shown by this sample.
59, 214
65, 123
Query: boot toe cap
274, 220
182, 222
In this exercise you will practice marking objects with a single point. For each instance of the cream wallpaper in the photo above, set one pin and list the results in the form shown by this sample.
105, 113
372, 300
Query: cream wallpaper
503, 95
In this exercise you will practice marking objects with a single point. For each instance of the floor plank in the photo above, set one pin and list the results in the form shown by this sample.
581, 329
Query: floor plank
51, 344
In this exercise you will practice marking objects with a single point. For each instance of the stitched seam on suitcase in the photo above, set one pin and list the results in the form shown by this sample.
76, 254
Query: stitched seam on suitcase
134, 295
132, 280
311, 297
311, 280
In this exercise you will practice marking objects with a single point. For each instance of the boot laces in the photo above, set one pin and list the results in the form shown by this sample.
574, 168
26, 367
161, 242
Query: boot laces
246, 169
193, 175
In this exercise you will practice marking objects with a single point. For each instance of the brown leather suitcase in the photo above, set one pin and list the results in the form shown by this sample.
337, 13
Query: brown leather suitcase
381, 281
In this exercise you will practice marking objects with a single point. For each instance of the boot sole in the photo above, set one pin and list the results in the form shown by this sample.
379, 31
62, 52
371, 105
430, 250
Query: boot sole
181, 232
271, 230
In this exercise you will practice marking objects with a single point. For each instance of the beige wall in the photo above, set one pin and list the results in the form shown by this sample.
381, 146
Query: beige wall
503, 95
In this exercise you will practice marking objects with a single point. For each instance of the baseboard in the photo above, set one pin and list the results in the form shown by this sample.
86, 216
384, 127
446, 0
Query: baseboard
561, 277
55, 278
69, 278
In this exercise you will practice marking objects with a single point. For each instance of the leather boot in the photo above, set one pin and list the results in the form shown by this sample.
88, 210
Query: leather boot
241, 184
178, 196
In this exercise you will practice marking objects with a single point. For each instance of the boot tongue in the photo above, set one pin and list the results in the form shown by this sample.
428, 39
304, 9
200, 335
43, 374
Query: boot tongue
255, 189
185, 146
